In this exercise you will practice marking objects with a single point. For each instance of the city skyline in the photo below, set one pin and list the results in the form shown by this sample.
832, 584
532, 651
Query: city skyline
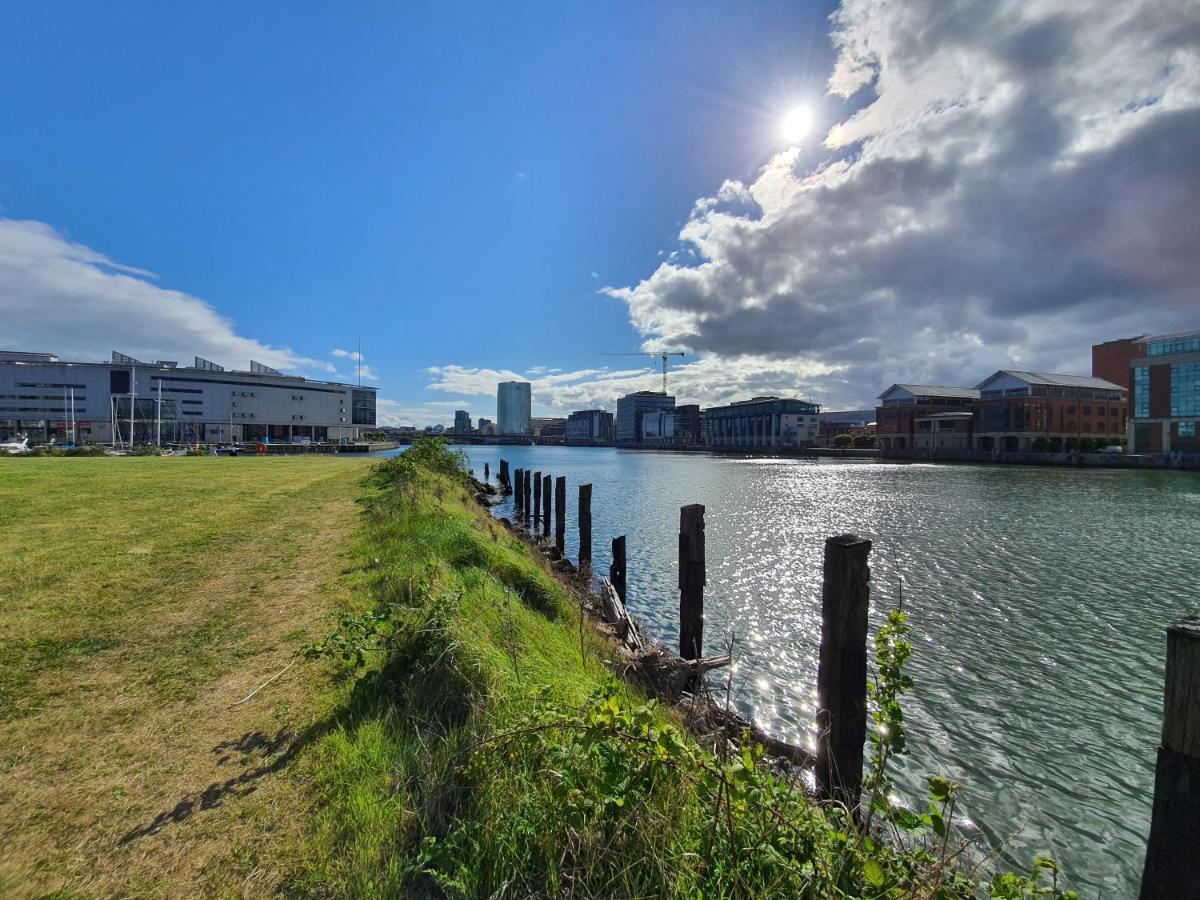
487, 198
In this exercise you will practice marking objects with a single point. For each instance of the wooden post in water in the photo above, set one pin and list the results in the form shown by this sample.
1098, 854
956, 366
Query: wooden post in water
691, 581
527, 482
518, 494
842, 670
1171, 868
616, 571
560, 515
585, 525
487, 473
547, 491
503, 477
537, 498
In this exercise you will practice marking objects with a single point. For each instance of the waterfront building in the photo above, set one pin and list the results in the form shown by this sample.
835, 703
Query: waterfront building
658, 428
762, 423
589, 426
630, 410
950, 430
853, 422
1113, 360
485, 426
40, 396
1037, 411
462, 422
687, 427
902, 404
547, 426
513, 407
1166, 395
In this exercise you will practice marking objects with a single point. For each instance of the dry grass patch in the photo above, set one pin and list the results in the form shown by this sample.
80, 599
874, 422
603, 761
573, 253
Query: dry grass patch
140, 599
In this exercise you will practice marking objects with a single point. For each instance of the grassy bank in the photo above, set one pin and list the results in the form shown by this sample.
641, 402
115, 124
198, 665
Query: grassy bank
139, 599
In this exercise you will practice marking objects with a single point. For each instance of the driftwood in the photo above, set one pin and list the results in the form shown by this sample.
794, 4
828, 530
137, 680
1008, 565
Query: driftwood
616, 615
667, 674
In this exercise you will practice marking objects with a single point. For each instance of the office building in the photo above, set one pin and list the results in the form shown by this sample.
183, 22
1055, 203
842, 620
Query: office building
41, 396
1165, 403
514, 404
762, 423
1038, 411
462, 421
548, 426
853, 422
485, 426
630, 410
687, 427
658, 428
589, 426
1113, 360
902, 404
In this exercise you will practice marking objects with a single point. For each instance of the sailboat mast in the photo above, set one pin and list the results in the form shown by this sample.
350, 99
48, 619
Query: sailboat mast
132, 400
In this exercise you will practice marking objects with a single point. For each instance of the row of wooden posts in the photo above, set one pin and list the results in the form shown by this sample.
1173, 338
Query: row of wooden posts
1170, 869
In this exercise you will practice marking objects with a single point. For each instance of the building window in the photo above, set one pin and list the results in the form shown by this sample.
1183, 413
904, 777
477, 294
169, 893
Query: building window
118, 381
1165, 348
1185, 389
1141, 392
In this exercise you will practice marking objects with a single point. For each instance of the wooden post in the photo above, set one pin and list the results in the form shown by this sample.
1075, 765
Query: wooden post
842, 670
547, 496
537, 497
585, 524
1171, 864
487, 473
503, 477
518, 494
616, 571
527, 481
560, 514
691, 581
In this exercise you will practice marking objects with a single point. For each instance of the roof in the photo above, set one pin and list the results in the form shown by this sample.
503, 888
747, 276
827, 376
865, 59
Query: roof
935, 390
1079, 381
948, 415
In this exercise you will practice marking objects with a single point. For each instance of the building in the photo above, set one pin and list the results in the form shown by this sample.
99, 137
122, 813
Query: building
948, 430
485, 426
513, 407
1166, 395
547, 426
1036, 411
853, 422
902, 404
688, 428
658, 428
762, 423
462, 422
630, 410
589, 426
1113, 360
41, 396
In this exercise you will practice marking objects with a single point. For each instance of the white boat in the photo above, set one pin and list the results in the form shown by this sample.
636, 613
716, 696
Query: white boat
15, 447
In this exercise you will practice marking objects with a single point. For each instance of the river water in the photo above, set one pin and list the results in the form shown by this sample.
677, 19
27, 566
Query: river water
1037, 598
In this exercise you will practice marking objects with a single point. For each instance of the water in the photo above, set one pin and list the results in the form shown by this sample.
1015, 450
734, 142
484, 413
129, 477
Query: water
1038, 600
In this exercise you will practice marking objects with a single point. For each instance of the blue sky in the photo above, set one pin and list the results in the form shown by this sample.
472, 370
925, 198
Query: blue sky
456, 184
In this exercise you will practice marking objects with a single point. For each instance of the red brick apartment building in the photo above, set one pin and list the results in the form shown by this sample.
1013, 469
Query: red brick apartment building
1017, 409
897, 425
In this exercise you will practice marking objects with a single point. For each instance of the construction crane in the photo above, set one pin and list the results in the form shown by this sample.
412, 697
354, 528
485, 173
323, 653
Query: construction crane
663, 355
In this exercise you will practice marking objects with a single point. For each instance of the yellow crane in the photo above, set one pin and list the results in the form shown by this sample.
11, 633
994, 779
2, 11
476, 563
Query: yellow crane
662, 354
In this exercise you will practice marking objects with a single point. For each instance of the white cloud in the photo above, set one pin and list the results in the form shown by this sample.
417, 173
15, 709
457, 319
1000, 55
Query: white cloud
1022, 183
361, 369
62, 297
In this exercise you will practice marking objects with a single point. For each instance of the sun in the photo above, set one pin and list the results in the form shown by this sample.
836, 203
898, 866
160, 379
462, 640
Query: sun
796, 124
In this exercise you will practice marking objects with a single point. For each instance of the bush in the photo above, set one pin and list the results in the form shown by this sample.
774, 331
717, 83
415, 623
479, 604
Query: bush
864, 440
843, 440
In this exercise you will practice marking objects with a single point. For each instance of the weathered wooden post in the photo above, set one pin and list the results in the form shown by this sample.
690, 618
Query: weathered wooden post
527, 481
547, 493
537, 498
616, 571
842, 670
585, 525
560, 515
518, 494
691, 581
487, 473
1171, 853
504, 475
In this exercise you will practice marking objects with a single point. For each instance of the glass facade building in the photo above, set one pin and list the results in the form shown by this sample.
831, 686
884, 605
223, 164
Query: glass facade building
514, 404
1166, 395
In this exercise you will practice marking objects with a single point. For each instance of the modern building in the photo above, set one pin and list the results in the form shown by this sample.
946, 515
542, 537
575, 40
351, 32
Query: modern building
41, 396
944, 430
462, 422
589, 426
485, 426
514, 404
688, 426
850, 421
658, 428
1166, 395
548, 426
630, 410
762, 423
902, 404
1035, 411
1113, 360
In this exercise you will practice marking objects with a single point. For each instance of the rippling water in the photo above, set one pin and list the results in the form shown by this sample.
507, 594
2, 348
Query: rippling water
1038, 600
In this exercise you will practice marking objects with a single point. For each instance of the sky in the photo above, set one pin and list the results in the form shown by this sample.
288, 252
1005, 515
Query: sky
483, 192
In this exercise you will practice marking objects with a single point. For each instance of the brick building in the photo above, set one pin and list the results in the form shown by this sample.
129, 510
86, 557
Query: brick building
1033, 411
1166, 395
901, 405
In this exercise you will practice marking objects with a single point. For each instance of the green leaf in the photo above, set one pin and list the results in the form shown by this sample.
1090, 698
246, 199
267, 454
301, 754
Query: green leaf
873, 872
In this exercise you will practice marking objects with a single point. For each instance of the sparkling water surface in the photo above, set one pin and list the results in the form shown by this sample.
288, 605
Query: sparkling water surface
1038, 600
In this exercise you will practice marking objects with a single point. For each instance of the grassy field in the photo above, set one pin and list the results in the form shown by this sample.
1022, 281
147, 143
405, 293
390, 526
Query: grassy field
140, 598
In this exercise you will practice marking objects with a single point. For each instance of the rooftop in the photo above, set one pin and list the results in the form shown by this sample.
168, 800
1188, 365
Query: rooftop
1079, 381
935, 390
